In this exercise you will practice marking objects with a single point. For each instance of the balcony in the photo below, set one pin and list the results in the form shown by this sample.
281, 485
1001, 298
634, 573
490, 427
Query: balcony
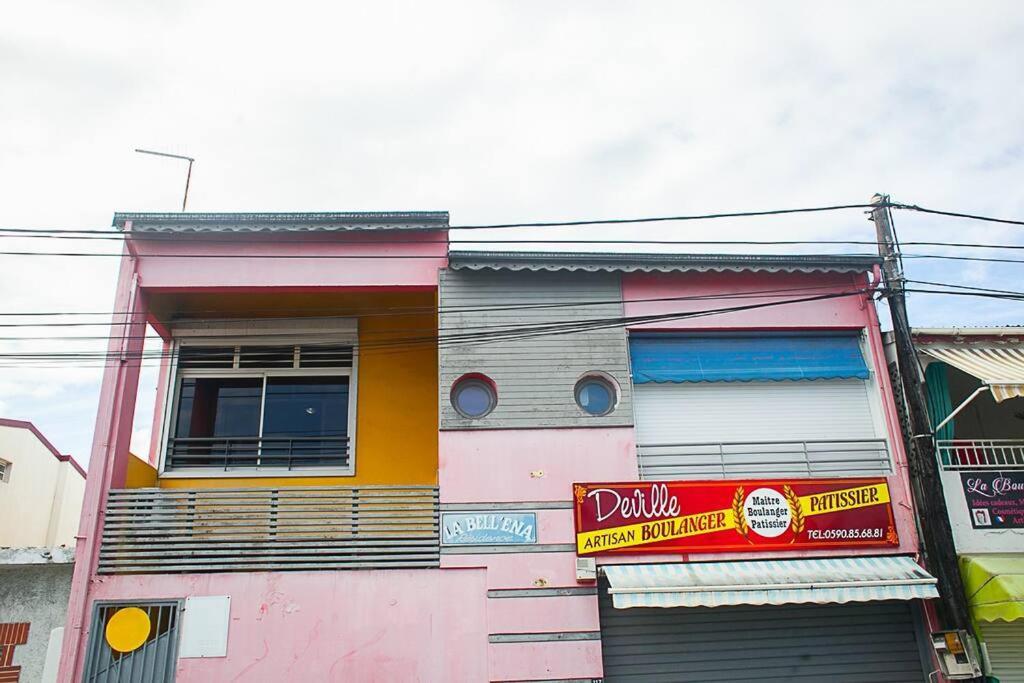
270, 529
225, 454
957, 454
809, 458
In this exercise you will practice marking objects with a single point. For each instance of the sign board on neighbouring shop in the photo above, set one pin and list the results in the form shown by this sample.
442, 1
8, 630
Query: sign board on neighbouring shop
732, 515
488, 528
995, 500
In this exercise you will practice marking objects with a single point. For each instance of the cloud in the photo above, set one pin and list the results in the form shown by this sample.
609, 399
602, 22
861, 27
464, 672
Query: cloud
499, 111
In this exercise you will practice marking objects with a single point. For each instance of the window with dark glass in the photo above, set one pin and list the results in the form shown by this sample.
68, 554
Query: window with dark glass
272, 407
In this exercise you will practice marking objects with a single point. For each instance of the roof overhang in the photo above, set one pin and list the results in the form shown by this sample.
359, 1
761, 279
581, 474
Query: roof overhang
657, 263
198, 223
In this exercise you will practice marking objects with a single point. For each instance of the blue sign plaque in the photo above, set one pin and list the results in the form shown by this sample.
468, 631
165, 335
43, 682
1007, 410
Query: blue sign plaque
488, 528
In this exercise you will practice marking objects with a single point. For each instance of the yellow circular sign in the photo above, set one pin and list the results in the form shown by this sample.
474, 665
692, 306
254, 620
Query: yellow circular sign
128, 629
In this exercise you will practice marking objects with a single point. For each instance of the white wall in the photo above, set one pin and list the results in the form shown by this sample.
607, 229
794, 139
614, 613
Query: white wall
968, 539
41, 501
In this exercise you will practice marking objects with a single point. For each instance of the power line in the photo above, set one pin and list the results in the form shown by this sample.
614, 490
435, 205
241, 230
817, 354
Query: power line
339, 313
502, 333
574, 241
555, 224
509, 333
954, 214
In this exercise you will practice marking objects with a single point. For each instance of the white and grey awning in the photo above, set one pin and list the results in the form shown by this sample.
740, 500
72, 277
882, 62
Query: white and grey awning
1001, 369
769, 582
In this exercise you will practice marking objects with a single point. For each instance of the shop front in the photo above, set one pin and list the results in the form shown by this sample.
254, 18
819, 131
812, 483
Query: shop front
995, 591
849, 611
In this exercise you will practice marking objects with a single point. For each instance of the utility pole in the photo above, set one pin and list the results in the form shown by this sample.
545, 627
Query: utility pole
936, 531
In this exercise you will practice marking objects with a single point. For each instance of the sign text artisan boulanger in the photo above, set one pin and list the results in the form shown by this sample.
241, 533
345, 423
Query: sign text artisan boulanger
735, 514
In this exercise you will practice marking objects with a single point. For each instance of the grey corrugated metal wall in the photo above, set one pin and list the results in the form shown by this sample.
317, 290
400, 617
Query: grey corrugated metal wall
855, 642
535, 376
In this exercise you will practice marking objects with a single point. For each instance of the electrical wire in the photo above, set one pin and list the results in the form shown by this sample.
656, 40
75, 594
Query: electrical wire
508, 333
954, 214
503, 334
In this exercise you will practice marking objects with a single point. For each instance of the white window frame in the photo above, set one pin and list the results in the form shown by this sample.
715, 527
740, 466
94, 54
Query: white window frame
5, 471
292, 332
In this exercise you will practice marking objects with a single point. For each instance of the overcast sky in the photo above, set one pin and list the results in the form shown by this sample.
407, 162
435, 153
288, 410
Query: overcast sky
499, 111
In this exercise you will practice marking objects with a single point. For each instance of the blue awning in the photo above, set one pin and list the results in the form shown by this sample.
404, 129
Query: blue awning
769, 582
745, 358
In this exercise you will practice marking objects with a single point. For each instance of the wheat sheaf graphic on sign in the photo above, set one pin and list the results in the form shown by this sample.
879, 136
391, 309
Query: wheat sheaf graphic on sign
742, 528
799, 521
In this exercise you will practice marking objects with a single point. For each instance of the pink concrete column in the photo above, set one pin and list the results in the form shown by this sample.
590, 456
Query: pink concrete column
108, 461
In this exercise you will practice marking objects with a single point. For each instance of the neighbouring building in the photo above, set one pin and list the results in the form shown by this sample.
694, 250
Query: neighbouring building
974, 380
41, 493
375, 459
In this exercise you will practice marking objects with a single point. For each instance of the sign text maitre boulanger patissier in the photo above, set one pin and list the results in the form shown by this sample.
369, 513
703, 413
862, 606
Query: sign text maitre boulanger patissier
732, 515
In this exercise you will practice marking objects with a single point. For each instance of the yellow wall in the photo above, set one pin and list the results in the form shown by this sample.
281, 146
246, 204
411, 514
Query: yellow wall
140, 474
396, 418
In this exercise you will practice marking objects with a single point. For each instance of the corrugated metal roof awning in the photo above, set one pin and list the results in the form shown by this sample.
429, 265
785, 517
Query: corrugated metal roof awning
769, 582
335, 221
1002, 369
621, 262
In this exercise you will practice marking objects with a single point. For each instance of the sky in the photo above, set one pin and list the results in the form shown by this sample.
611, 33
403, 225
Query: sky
496, 112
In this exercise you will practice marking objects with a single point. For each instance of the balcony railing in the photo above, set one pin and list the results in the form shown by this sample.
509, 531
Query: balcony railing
263, 529
957, 454
851, 457
256, 453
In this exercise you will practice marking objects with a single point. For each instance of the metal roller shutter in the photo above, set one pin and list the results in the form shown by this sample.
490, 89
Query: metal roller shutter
1005, 646
676, 424
855, 642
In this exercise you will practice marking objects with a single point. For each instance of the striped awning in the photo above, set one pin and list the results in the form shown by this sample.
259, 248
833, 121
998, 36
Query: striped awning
769, 582
1002, 369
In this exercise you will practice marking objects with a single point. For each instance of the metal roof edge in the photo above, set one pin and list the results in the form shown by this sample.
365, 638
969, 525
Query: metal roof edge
998, 331
294, 221
656, 262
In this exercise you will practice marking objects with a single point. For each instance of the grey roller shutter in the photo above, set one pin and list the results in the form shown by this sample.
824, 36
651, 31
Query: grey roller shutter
785, 428
855, 642
1005, 646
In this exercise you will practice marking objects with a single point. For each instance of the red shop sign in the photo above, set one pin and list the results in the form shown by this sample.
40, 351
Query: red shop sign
732, 515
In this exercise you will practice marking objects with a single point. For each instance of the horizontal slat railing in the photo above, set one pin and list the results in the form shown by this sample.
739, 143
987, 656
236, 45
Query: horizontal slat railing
810, 458
228, 453
269, 529
957, 454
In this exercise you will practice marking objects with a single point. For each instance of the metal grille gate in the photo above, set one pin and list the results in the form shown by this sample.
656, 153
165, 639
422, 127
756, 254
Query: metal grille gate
152, 662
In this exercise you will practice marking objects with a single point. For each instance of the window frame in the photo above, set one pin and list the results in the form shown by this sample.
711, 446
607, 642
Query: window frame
295, 332
5, 471
872, 384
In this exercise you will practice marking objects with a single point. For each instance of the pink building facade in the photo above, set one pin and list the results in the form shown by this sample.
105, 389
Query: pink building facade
449, 552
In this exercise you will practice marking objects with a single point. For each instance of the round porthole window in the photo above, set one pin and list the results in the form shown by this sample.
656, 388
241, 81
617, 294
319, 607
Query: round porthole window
473, 397
595, 395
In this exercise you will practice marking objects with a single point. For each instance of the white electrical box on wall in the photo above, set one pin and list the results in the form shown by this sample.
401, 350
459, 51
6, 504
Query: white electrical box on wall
957, 653
586, 569
204, 626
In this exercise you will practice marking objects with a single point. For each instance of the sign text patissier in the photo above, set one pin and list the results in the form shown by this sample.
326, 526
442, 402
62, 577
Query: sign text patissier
731, 515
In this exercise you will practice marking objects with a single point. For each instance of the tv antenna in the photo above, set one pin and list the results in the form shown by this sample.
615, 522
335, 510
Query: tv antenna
188, 177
